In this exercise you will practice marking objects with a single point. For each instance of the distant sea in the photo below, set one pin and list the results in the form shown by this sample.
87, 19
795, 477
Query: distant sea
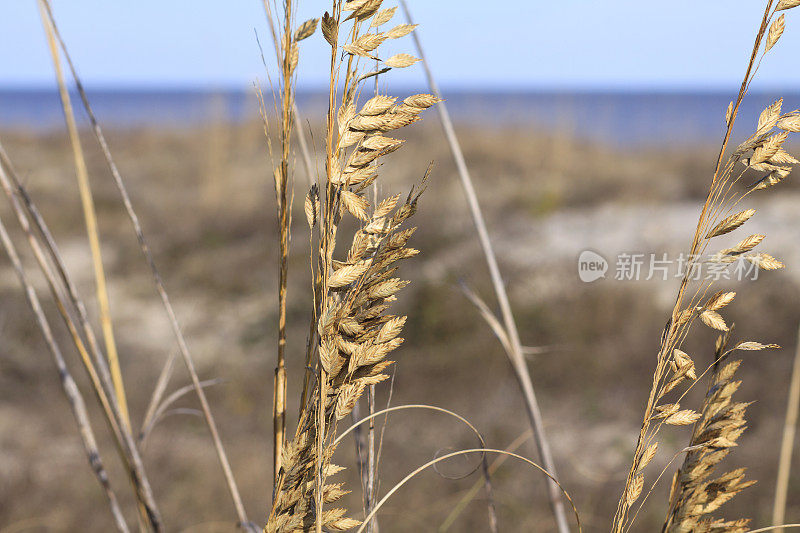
619, 118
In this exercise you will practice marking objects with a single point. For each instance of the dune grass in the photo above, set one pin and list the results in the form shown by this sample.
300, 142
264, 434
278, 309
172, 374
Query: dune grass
357, 242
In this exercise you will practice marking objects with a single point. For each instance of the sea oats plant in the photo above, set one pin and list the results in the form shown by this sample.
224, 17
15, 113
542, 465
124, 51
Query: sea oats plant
357, 243
762, 152
694, 495
352, 332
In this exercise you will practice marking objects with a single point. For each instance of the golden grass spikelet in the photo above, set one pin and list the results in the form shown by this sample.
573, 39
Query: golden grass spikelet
356, 204
344, 115
401, 30
357, 176
365, 44
752, 345
294, 57
350, 137
782, 157
390, 330
768, 149
682, 365
377, 105
306, 29
379, 142
635, 489
720, 300
787, 4
729, 113
775, 32
745, 245
353, 5
682, 418
694, 494
773, 178
347, 274
401, 60
311, 206
422, 101
387, 288
362, 9
730, 223
382, 17
764, 261
665, 410
330, 29
348, 395
789, 122
384, 122
769, 117
386, 206
648, 456
713, 320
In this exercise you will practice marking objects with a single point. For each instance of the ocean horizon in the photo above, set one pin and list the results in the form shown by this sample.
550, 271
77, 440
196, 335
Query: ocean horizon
623, 118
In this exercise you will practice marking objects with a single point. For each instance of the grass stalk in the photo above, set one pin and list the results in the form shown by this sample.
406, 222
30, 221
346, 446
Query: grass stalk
90, 217
173, 321
301, 138
476, 487
70, 388
100, 379
669, 373
787, 442
515, 355
282, 185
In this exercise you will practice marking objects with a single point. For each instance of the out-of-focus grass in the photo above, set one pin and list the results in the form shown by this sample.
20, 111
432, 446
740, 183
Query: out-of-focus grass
217, 256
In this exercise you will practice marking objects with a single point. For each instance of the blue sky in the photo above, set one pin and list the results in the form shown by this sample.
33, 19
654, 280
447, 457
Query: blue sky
515, 44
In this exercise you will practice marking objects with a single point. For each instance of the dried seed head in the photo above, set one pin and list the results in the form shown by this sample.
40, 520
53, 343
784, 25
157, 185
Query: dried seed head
683, 418
330, 29
720, 300
769, 148
782, 157
745, 246
306, 29
365, 44
400, 30
751, 345
401, 60
769, 117
730, 223
789, 122
634, 490
775, 32
787, 4
421, 101
764, 261
347, 274
648, 455
377, 105
311, 206
379, 142
356, 204
361, 9
382, 17
773, 178
713, 320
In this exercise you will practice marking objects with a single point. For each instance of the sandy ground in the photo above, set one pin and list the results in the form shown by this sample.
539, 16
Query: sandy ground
206, 202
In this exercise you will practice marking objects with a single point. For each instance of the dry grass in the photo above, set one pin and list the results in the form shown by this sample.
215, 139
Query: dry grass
674, 367
352, 331
225, 265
